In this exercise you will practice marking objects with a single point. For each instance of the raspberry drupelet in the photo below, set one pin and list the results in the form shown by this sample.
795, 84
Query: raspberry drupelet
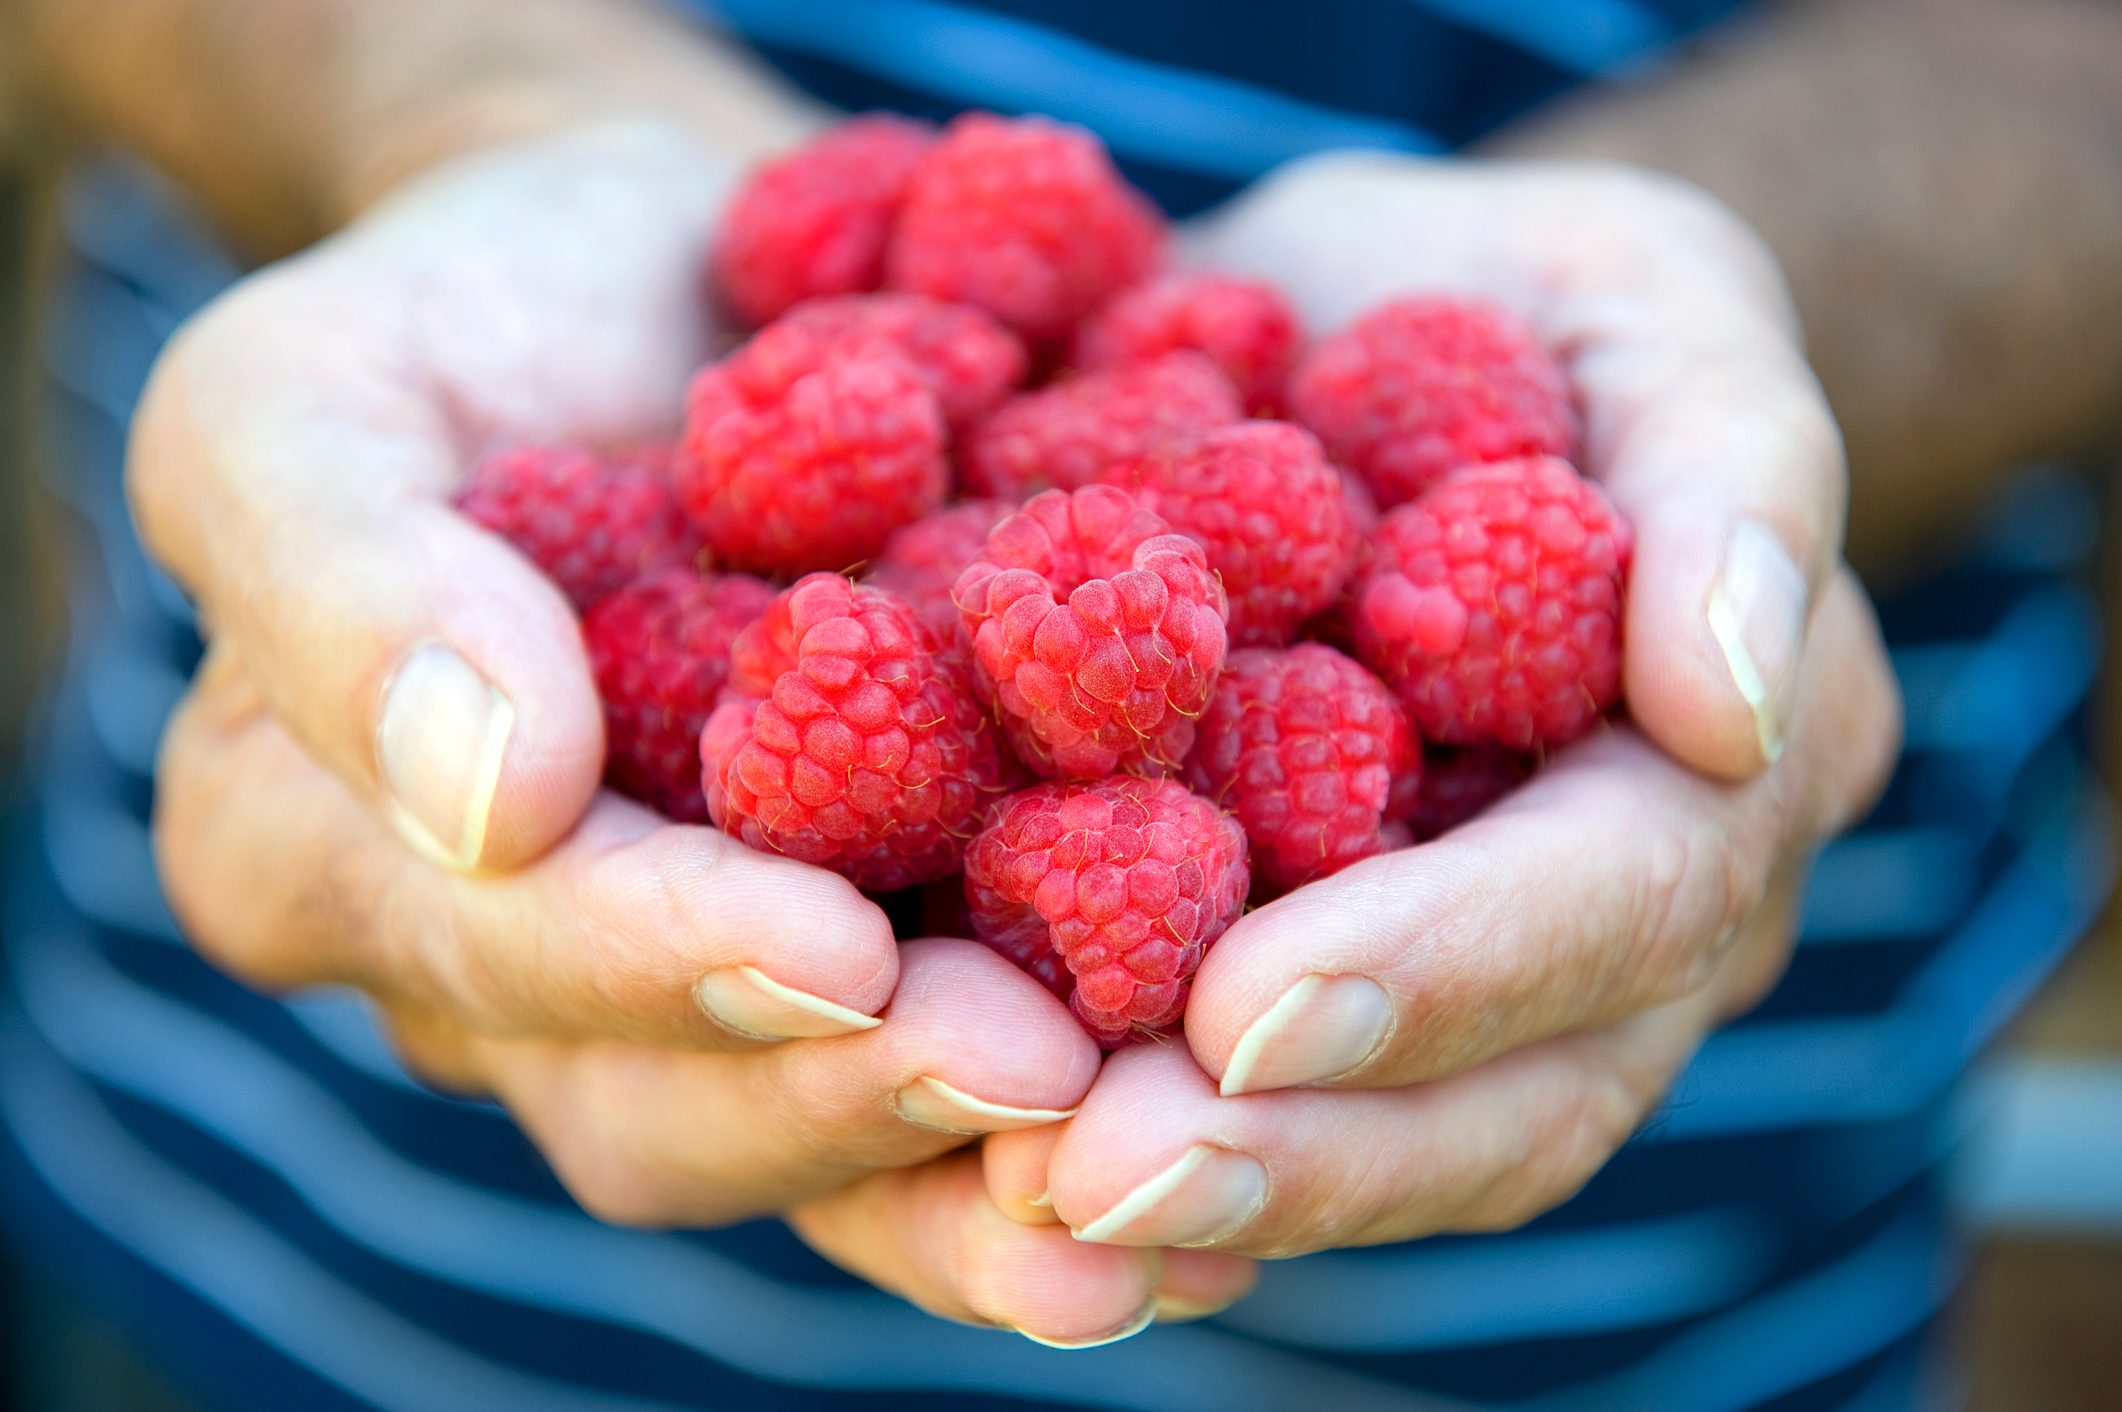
1061, 437
1096, 632
816, 221
1420, 387
1244, 326
660, 650
1493, 605
592, 525
1262, 500
845, 741
1024, 217
1128, 881
1309, 750
805, 452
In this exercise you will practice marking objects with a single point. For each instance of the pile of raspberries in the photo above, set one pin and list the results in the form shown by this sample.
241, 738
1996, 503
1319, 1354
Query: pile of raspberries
1007, 562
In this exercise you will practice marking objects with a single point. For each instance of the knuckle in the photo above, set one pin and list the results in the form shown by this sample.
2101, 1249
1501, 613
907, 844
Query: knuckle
1679, 209
1564, 1147
1689, 897
610, 1185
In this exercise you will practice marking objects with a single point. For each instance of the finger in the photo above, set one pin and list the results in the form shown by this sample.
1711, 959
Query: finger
632, 928
929, 1235
1199, 1284
646, 1136
295, 448
1711, 434
436, 1051
297, 490
1015, 1166
1156, 1157
1540, 918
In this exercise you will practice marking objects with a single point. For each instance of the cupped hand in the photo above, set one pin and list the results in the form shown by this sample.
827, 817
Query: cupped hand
386, 772
1457, 1035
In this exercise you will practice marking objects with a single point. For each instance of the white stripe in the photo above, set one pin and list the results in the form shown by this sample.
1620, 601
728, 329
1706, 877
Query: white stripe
2047, 1155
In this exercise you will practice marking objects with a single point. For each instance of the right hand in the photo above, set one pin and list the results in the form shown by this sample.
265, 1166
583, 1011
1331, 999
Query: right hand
386, 773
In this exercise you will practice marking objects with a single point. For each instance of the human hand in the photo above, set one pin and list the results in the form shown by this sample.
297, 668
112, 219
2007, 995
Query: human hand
1456, 1036
385, 775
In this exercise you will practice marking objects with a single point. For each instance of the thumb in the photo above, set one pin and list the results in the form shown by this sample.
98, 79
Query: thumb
289, 476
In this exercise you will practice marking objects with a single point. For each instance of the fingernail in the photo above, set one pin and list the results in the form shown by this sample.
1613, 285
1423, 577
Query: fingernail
1206, 1195
1757, 613
1044, 1200
931, 1103
439, 745
1132, 1327
746, 1000
1321, 1027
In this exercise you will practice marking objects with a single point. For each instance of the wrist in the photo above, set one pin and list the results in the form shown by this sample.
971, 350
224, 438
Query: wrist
451, 88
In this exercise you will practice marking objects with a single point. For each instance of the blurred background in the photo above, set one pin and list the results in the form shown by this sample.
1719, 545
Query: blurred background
2014, 683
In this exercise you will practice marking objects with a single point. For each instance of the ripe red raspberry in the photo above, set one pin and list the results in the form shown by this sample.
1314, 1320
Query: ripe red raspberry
1457, 784
1096, 632
847, 743
922, 561
1420, 387
1025, 218
592, 525
967, 359
816, 221
1244, 325
1262, 500
1060, 437
801, 453
1306, 748
660, 650
1127, 881
1493, 606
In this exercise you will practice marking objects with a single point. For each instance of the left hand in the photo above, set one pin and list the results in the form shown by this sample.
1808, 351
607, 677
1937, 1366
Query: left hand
1457, 1036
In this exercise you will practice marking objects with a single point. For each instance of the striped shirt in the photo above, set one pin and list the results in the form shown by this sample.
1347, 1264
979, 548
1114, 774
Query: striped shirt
258, 1188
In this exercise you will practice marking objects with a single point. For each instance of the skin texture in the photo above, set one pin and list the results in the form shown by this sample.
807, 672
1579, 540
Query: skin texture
554, 953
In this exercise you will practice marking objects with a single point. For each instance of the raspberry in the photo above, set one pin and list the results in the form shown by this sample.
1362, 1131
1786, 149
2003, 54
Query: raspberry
846, 743
1261, 499
1244, 325
1060, 437
1307, 749
1457, 784
922, 561
593, 526
1127, 881
1493, 606
967, 359
1096, 632
1025, 218
804, 453
1420, 387
660, 649
816, 221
